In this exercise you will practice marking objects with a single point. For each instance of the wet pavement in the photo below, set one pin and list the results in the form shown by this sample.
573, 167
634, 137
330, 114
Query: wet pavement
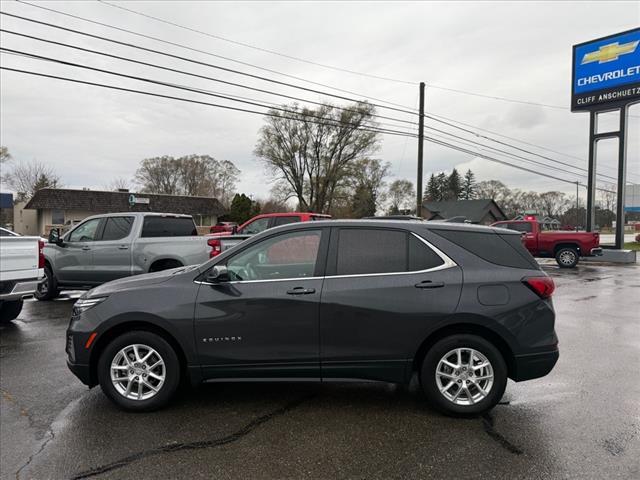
581, 421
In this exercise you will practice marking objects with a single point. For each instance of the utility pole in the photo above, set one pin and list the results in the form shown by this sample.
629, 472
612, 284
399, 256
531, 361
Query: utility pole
420, 152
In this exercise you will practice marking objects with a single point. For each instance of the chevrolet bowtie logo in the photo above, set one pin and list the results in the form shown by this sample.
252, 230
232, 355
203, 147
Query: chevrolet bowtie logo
609, 53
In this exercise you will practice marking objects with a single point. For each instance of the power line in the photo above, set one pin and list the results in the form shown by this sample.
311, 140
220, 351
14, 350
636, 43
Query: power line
171, 97
253, 103
261, 49
262, 78
95, 22
175, 70
541, 147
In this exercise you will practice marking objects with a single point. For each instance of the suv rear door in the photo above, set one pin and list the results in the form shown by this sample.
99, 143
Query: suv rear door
112, 250
384, 289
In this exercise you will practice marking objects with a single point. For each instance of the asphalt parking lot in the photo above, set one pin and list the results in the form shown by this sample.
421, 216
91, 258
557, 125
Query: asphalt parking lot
581, 421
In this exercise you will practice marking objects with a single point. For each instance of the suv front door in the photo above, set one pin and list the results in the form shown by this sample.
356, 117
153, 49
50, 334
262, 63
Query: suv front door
263, 322
384, 289
74, 258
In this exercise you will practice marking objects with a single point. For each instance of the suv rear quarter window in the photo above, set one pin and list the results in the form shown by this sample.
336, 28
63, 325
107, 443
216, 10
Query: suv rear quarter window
506, 250
158, 226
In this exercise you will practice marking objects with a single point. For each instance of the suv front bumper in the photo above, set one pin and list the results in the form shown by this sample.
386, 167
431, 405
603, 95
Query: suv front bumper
534, 365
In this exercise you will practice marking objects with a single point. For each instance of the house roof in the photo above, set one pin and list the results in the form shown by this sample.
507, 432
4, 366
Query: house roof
473, 210
105, 202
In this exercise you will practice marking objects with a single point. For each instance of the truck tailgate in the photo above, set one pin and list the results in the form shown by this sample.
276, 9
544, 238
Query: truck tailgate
18, 258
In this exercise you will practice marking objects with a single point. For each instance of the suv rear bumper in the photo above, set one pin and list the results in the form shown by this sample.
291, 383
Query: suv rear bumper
534, 365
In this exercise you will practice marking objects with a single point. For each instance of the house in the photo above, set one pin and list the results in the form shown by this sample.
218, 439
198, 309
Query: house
61, 207
482, 211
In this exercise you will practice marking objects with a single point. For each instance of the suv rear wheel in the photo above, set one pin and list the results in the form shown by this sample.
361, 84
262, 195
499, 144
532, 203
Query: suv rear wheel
463, 375
139, 371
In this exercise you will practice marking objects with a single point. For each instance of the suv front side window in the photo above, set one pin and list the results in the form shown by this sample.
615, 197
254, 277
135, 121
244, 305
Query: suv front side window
257, 226
85, 232
290, 255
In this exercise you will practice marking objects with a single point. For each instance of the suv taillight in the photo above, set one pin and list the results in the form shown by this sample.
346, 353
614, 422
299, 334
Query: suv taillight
40, 254
542, 286
216, 247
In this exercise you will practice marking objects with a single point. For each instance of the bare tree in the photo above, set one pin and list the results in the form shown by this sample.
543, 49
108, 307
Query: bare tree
26, 178
159, 175
5, 157
195, 175
401, 194
316, 159
118, 183
552, 204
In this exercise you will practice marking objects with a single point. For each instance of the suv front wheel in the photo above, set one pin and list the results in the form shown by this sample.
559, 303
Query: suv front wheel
463, 375
139, 371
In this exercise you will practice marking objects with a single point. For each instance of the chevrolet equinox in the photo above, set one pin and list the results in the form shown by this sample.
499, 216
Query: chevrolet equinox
463, 307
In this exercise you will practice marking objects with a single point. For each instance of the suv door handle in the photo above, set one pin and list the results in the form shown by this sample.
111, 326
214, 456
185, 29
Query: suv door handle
301, 291
123, 247
86, 248
429, 284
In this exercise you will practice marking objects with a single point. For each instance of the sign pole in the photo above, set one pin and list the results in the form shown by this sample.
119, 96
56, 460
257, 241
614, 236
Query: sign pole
591, 180
622, 176
420, 153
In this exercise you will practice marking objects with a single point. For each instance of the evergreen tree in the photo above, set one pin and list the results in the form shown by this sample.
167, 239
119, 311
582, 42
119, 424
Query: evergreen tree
243, 208
363, 202
432, 193
453, 188
443, 184
469, 186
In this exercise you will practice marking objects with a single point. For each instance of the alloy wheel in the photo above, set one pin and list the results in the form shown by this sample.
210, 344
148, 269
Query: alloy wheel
464, 376
567, 258
138, 372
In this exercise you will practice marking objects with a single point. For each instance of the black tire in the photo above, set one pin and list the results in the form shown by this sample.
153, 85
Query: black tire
446, 345
172, 371
48, 289
10, 311
567, 257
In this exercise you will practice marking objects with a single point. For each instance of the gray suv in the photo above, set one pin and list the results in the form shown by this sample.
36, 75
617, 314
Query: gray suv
462, 307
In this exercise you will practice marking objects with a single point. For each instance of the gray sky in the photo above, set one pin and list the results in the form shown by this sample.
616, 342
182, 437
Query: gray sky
517, 50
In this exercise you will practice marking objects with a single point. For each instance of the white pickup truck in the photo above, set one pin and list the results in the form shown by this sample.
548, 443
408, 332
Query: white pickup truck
21, 268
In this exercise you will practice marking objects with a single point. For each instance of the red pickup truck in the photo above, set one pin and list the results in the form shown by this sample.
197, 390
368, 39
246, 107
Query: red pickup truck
224, 240
564, 245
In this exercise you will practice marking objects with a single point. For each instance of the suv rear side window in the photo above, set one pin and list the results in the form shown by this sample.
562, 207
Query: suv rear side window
506, 250
117, 228
156, 226
362, 251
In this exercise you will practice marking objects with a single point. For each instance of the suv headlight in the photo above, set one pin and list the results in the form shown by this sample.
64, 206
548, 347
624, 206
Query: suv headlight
84, 304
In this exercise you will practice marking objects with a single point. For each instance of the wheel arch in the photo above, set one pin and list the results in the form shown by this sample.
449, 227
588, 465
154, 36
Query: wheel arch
127, 326
166, 260
561, 245
464, 326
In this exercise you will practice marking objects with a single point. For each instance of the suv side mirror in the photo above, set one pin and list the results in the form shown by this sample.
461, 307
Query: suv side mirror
217, 274
54, 236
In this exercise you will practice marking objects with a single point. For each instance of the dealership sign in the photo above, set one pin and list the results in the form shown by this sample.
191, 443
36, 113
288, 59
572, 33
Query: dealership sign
133, 200
606, 72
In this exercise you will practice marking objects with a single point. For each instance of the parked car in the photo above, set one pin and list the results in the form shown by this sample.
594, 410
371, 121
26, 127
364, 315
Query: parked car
106, 247
565, 246
463, 307
224, 241
21, 268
